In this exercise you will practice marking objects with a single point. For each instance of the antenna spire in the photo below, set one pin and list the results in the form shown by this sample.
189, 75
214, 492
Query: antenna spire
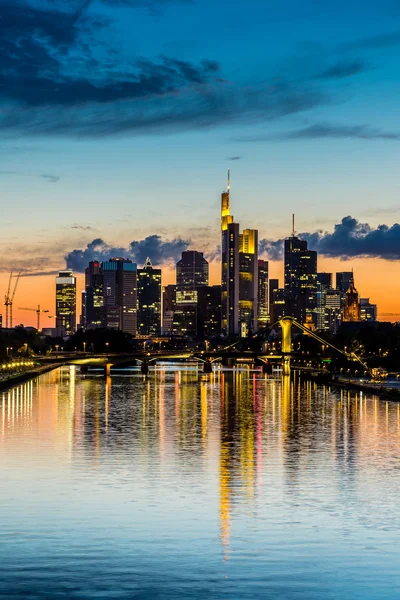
293, 232
229, 180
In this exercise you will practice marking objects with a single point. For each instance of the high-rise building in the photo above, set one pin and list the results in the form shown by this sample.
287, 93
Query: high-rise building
248, 280
120, 294
300, 278
351, 309
149, 299
368, 311
229, 266
333, 312
262, 295
94, 303
278, 306
191, 275
66, 302
273, 285
168, 308
343, 281
324, 283
209, 312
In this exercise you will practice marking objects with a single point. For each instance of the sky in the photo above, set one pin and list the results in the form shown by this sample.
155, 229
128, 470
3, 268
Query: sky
120, 118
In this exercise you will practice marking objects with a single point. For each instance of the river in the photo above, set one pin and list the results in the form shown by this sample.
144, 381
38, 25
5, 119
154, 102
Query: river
183, 485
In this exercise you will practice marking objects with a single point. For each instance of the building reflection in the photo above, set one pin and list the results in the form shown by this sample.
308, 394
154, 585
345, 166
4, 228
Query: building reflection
237, 430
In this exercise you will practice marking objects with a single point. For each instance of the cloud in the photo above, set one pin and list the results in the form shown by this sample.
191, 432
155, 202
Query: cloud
160, 252
59, 75
234, 158
82, 227
51, 178
349, 239
376, 42
342, 70
326, 130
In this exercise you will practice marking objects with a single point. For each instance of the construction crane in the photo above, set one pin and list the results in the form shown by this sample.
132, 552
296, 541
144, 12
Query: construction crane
38, 312
9, 299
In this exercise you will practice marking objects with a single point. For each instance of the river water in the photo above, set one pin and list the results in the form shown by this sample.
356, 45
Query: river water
183, 485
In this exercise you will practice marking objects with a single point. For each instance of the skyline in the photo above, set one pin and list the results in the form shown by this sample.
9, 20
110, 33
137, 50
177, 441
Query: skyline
155, 100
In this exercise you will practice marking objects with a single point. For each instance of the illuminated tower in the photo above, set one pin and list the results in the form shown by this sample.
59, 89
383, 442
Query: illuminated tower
230, 267
120, 294
300, 278
66, 302
262, 295
351, 309
149, 299
248, 280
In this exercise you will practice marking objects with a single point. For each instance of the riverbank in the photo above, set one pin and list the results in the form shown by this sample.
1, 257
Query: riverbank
380, 390
13, 380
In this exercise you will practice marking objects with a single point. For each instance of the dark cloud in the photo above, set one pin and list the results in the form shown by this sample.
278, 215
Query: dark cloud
342, 70
51, 178
160, 252
234, 158
376, 42
58, 76
326, 130
349, 239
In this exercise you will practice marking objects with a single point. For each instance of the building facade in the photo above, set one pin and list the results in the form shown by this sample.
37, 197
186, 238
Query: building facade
248, 280
262, 295
149, 300
229, 267
66, 302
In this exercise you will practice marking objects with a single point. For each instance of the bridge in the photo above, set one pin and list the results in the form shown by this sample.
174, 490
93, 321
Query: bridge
228, 356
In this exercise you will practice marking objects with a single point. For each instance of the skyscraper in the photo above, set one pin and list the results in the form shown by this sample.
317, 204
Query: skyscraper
191, 274
368, 311
120, 294
149, 299
300, 278
229, 266
209, 312
248, 280
324, 283
66, 302
343, 281
94, 303
262, 295
168, 308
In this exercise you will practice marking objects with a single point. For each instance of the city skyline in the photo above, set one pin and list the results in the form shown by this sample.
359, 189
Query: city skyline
134, 139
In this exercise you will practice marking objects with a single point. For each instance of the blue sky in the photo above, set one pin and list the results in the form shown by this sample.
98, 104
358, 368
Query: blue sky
119, 119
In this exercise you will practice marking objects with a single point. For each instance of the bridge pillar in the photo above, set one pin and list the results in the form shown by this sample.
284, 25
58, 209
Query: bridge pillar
144, 367
286, 324
84, 369
207, 366
228, 362
107, 370
286, 365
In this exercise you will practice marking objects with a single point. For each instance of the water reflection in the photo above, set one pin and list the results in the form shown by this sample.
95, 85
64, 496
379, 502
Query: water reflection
273, 462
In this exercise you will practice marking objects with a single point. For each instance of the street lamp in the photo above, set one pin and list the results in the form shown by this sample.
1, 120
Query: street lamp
84, 346
107, 344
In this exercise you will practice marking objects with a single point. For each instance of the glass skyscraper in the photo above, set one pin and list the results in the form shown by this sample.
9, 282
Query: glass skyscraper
66, 302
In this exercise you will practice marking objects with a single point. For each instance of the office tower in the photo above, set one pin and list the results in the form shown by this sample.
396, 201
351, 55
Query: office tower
82, 320
278, 306
149, 299
191, 272
324, 280
333, 310
168, 303
300, 278
248, 280
273, 285
209, 312
66, 302
229, 267
94, 304
343, 281
120, 294
191, 275
368, 311
351, 309
262, 295
324, 283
